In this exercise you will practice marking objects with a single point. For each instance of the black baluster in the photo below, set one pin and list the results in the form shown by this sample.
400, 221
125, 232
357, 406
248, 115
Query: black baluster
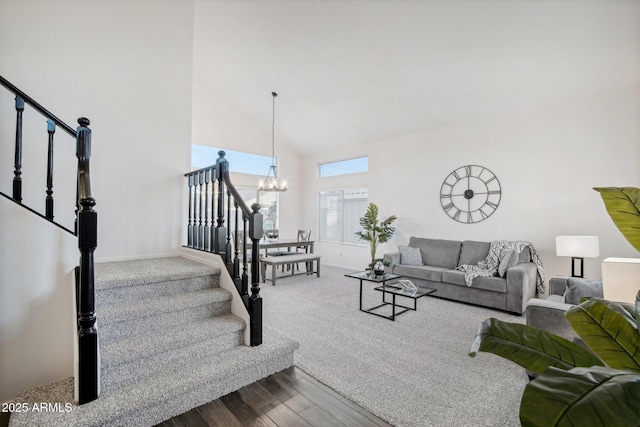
200, 211
220, 233
236, 260
245, 263
87, 225
17, 172
255, 300
214, 198
51, 129
227, 251
190, 242
207, 232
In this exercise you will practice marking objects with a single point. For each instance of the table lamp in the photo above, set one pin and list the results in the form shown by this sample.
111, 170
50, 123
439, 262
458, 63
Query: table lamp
578, 248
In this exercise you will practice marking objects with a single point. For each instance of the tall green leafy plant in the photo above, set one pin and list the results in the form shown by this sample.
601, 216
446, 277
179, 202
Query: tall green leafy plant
576, 386
375, 233
623, 206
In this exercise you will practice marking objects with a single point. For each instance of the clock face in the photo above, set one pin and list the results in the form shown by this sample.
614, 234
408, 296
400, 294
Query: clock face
470, 194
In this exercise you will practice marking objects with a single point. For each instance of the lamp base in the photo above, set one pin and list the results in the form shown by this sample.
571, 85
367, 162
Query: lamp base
573, 266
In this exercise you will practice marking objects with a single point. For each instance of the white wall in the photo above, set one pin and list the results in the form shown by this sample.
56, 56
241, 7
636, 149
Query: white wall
547, 159
218, 123
133, 82
127, 66
36, 308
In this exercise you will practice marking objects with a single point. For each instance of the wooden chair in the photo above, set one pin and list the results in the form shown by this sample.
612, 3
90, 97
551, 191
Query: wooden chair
303, 236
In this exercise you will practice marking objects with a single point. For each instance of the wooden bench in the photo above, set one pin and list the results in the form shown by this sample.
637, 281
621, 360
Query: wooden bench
275, 261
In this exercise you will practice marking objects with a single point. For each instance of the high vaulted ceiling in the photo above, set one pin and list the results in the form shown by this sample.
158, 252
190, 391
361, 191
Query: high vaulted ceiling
354, 72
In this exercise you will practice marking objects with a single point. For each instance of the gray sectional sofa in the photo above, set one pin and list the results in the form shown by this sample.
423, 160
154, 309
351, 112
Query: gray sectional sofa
439, 259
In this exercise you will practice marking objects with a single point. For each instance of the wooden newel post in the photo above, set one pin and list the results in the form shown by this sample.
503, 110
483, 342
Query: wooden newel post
220, 233
255, 300
87, 227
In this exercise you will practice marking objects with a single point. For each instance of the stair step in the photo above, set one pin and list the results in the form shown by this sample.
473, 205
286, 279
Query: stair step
134, 318
132, 359
158, 398
145, 271
137, 279
105, 297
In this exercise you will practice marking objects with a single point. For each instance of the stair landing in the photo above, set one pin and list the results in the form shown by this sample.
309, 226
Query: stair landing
187, 352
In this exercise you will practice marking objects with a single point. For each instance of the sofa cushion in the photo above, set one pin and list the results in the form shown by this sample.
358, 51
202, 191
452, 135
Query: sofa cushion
409, 255
425, 272
495, 284
580, 288
473, 252
509, 258
437, 253
525, 255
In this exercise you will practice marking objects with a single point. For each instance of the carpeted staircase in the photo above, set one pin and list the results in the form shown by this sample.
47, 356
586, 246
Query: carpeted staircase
168, 343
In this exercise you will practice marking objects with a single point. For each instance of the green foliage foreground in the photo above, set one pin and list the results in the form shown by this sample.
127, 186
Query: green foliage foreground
576, 387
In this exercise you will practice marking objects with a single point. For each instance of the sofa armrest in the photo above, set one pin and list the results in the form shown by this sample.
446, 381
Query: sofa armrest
549, 315
392, 258
521, 286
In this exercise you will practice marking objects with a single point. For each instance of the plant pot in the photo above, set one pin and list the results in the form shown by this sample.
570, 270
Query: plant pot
378, 271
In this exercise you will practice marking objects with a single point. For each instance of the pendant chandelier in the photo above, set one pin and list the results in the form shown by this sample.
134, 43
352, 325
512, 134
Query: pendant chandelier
271, 181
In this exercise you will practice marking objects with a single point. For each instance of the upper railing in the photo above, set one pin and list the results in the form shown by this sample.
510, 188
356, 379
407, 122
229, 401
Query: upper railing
210, 228
85, 229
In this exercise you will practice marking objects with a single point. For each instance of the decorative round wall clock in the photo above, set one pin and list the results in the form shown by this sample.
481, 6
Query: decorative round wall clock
470, 194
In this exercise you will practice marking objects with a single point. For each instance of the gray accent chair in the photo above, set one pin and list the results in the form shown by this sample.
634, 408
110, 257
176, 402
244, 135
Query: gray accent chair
564, 293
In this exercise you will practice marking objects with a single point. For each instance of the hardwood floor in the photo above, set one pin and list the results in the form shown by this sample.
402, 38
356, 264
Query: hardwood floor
290, 398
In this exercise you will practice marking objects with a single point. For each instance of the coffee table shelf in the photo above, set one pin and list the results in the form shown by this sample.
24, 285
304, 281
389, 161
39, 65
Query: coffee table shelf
392, 288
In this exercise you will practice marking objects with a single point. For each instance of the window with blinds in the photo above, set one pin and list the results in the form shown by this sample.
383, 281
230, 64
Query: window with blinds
339, 213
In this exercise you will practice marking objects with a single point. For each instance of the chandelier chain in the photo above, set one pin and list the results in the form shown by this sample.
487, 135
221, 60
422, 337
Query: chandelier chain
271, 181
273, 130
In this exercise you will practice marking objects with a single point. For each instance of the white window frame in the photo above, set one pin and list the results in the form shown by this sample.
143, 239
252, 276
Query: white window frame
347, 231
338, 162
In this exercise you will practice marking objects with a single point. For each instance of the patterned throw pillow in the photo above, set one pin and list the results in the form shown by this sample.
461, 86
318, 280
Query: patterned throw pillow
409, 255
509, 258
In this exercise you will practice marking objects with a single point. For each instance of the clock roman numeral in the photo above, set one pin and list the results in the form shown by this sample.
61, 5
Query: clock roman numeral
493, 205
448, 207
469, 219
456, 215
490, 179
467, 170
455, 173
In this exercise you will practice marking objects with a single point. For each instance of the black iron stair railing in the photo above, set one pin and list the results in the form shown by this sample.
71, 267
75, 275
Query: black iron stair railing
207, 189
85, 230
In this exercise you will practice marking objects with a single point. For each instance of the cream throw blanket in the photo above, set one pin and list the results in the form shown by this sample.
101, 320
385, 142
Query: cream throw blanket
489, 267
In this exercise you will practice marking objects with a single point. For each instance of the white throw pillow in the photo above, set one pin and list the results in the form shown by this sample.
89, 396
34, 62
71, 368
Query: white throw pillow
409, 255
509, 259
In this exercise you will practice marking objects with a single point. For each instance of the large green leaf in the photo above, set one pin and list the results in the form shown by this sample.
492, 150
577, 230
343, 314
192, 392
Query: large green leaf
531, 348
609, 330
623, 206
594, 397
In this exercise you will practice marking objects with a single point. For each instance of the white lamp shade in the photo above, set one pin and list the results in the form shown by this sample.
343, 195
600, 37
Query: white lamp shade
620, 279
577, 246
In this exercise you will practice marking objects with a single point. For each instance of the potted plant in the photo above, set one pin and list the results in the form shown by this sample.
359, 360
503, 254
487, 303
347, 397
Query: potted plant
375, 233
576, 386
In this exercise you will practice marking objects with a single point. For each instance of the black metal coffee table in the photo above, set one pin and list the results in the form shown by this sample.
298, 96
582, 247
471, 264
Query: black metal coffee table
393, 288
